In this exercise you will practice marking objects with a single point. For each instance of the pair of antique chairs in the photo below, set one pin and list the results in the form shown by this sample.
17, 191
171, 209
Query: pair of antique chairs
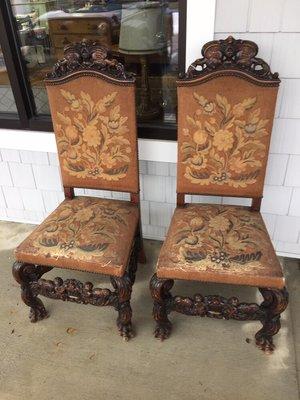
226, 104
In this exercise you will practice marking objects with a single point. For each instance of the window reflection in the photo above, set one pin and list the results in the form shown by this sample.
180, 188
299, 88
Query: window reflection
142, 34
7, 101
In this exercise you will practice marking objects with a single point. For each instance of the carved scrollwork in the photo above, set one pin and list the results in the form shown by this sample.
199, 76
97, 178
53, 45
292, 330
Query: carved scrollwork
74, 291
231, 53
123, 287
32, 285
214, 306
275, 302
160, 291
25, 275
91, 56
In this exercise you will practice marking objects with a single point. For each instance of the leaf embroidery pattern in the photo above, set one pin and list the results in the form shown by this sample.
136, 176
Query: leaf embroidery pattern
91, 137
218, 236
224, 143
81, 226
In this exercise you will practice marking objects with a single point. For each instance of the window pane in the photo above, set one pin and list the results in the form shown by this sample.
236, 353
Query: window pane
7, 101
141, 34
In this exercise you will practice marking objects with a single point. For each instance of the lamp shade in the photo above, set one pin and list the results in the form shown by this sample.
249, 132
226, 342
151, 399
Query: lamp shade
143, 29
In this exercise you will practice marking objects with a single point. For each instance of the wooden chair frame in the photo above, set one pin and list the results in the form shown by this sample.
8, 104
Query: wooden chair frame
84, 57
231, 57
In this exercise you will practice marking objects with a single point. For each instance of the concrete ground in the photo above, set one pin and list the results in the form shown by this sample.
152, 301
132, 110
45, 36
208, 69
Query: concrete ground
77, 353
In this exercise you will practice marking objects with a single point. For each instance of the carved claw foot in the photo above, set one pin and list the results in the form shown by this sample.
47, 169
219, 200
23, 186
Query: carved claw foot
125, 331
160, 292
38, 313
25, 275
123, 286
265, 344
163, 331
275, 302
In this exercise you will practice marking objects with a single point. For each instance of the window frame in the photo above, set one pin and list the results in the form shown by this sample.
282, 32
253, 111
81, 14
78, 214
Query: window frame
26, 119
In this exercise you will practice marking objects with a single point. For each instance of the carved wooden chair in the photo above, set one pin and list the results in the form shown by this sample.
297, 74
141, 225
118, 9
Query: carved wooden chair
92, 104
226, 105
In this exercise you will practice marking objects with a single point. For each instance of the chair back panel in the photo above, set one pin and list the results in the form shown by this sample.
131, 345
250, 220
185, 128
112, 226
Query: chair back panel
95, 127
225, 120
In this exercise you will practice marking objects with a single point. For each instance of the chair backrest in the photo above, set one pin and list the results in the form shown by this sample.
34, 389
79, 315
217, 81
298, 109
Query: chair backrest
226, 105
92, 102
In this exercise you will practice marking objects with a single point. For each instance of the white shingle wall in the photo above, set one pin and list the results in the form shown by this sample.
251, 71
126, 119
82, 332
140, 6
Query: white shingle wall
30, 186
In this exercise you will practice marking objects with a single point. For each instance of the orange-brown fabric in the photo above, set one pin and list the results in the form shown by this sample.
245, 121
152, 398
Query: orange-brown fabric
222, 244
224, 132
95, 128
85, 233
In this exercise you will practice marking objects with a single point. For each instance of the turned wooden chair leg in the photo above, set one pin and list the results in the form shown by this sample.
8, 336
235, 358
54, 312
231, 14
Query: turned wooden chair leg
25, 274
160, 291
123, 287
275, 302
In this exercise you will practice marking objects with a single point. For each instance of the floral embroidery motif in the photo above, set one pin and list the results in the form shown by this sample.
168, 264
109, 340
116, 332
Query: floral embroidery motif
212, 237
225, 143
91, 137
83, 226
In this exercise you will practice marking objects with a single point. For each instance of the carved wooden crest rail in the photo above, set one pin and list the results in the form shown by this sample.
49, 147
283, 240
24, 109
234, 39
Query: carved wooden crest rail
91, 56
230, 53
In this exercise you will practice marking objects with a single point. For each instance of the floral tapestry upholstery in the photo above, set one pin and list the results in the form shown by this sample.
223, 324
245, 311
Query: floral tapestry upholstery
223, 136
84, 233
95, 128
222, 244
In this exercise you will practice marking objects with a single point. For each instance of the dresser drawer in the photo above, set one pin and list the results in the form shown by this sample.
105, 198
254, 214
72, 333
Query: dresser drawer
79, 25
60, 41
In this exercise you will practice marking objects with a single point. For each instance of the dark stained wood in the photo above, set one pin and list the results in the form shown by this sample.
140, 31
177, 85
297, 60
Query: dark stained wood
24, 274
135, 198
256, 203
29, 277
231, 53
215, 306
275, 302
88, 56
69, 192
180, 199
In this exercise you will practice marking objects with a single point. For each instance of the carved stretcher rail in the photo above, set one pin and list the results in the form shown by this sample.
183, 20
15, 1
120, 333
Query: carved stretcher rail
74, 291
231, 54
214, 306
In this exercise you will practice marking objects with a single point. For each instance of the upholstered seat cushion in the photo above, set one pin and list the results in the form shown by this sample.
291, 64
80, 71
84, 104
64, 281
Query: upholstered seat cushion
85, 233
222, 244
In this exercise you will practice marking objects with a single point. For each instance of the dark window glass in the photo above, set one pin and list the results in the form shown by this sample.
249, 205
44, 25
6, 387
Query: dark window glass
141, 34
7, 101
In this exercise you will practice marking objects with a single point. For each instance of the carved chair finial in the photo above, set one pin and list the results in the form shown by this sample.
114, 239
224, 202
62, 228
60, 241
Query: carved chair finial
88, 55
231, 53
